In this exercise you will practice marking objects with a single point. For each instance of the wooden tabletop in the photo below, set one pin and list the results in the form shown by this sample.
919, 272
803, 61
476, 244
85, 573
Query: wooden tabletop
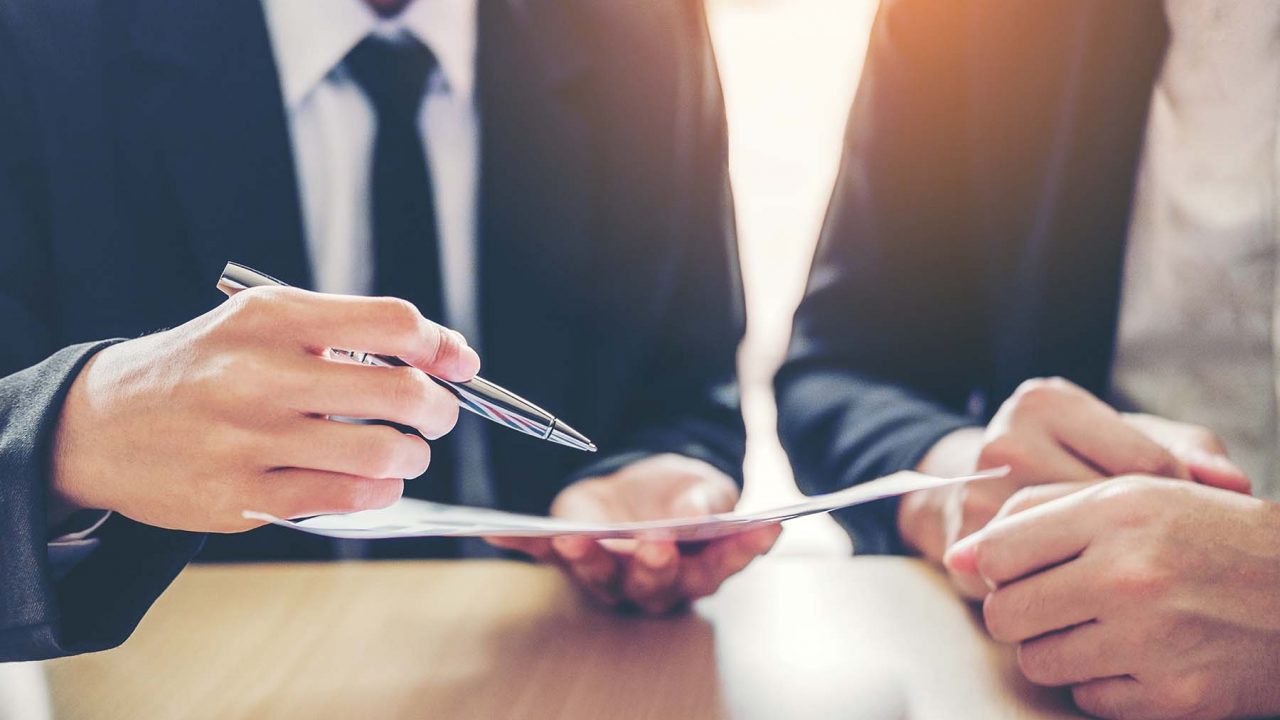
790, 637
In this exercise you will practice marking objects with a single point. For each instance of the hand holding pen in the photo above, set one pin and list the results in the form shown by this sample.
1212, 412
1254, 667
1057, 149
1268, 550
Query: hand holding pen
187, 427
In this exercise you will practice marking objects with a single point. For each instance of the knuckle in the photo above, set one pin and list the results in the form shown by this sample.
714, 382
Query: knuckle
1155, 460
1037, 663
383, 493
446, 347
351, 495
1131, 500
383, 456
345, 495
1140, 579
434, 410
438, 411
408, 391
1188, 694
259, 304
401, 317
446, 417
1039, 394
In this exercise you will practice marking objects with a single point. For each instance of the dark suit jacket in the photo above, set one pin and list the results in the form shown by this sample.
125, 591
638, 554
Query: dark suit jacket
976, 234
144, 142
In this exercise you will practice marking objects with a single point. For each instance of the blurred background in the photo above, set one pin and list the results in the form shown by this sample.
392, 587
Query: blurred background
789, 70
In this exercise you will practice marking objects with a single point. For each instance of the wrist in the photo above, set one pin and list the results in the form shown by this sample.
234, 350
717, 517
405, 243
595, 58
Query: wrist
68, 490
954, 454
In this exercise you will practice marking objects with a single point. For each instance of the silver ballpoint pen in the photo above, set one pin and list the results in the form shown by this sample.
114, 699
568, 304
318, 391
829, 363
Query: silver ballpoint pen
478, 395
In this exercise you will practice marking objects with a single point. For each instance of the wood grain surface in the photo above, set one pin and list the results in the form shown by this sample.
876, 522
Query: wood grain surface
788, 638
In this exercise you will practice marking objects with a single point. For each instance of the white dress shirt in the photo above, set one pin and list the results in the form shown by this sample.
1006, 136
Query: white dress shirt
332, 126
1198, 338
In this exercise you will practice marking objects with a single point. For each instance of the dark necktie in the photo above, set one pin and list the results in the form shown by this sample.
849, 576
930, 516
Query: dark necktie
393, 75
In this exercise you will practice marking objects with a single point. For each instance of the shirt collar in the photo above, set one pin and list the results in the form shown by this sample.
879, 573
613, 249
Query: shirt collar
311, 37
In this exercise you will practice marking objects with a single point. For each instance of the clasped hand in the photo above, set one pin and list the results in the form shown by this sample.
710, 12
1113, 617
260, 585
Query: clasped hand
1055, 438
1155, 594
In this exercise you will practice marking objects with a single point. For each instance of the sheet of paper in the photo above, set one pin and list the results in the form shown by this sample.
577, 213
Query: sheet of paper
418, 518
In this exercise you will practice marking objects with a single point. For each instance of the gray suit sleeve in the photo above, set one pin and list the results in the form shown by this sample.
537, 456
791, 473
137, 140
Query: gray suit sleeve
97, 602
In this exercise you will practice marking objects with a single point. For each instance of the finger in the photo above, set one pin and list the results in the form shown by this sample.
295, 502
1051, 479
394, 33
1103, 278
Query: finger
1037, 461
1037, 495
702, 574
1115, 697
1097, 433
651, 576
295, 493
401, 395
1021, 544
1072, 656
536, 548
1177, 436
375, 451
968, 583
594, 568
387, 326
1058, 598
1216, 471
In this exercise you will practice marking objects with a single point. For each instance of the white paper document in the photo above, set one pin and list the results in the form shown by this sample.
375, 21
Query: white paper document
418, 518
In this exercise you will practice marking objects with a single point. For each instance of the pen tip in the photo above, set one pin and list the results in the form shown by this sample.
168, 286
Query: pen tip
565, 435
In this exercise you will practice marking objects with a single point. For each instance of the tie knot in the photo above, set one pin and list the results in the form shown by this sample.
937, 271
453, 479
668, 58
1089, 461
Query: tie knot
393, 74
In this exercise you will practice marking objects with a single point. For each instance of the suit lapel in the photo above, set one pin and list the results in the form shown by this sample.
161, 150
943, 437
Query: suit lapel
1061, 133
209, 98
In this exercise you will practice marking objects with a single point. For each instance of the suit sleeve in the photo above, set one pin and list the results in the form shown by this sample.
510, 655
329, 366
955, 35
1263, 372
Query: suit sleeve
99, 601
890, 334
692, 405
96, 603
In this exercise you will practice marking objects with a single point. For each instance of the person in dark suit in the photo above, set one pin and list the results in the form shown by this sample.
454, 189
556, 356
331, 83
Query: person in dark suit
1052, 248
546, 176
